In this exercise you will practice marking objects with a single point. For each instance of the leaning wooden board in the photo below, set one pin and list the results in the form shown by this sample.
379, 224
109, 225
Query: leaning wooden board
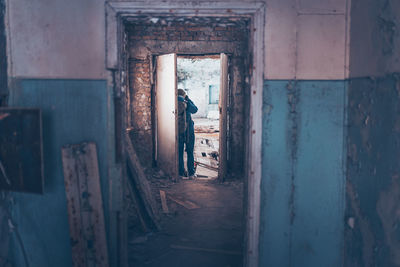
85, 206
141, 182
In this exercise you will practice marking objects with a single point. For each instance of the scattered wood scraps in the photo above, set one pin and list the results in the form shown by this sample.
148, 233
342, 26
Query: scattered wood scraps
185, 203
164, 201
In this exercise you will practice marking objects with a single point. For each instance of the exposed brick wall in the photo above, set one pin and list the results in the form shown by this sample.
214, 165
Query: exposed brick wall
192, 36
140, 95
186, 33
140, 109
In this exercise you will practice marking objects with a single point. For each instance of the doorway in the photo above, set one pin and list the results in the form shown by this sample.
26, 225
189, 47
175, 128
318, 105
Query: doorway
204, 79
251, 15
200, 77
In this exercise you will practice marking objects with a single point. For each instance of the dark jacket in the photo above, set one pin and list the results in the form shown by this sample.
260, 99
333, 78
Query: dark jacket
190, 109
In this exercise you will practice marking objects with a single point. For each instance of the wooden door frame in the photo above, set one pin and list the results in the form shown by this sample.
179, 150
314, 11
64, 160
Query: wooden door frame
116, 12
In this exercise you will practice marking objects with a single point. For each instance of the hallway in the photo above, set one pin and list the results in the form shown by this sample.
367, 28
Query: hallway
207, 232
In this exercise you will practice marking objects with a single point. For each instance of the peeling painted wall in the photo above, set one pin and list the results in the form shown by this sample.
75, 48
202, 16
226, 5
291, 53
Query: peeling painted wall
3, 54
68, 107
375, 35
66, 40
373, 173
372, 189
303, 173
60, 46
306, 39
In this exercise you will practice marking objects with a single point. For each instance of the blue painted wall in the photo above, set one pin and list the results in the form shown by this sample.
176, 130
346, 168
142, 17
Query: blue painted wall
303, 173
372, 216
74, 111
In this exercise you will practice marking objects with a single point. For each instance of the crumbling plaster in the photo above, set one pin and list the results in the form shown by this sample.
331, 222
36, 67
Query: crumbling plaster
3, 53
56, 39
372, 197
375, 35
306, 40
62, 48
373, 209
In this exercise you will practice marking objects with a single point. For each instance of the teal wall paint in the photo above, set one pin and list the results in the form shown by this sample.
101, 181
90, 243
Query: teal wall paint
74, 111
302, 189
373, 172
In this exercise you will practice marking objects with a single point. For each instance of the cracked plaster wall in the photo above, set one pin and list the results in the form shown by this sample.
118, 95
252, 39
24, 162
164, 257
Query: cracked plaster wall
372, 219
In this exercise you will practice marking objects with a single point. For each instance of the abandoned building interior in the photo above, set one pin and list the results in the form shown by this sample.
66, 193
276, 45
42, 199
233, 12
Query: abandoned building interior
297, 133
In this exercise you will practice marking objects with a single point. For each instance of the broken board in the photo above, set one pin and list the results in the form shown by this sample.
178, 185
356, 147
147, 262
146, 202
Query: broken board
184, 203
138, 210
139, 182
164, 201
85, 206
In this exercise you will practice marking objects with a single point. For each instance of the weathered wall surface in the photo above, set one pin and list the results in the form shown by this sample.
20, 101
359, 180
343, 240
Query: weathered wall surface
205, 36
3, 54
306, 39
65, 40
372, 187
375, 45
302, 188
373, 173
56, 39
68, 107
56, 62
303, 173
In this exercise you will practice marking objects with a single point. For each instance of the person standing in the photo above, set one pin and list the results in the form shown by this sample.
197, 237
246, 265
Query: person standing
182, 129
188, 137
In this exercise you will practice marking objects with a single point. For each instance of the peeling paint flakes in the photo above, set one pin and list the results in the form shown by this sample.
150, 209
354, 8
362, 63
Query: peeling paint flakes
366, 120
351, 222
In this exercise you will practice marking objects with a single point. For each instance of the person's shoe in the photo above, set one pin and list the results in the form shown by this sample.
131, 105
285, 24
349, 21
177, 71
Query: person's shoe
192, 177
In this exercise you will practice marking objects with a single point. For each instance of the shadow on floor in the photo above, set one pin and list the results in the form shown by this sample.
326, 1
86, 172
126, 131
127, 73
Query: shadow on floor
203, 228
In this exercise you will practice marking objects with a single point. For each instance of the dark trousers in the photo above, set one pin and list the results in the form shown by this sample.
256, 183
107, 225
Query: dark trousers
181, 140
189, 152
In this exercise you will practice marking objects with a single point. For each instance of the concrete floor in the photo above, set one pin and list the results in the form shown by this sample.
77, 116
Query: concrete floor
206, 236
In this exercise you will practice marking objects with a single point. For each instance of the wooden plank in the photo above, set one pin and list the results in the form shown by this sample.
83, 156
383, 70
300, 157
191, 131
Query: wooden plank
185, 203
85, 206
74, 208
206, 166
140, 182
139, 212
219, 251
164, 202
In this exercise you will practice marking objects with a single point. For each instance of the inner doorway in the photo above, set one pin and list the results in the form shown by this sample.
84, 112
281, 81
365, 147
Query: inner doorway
200, 77
205, 81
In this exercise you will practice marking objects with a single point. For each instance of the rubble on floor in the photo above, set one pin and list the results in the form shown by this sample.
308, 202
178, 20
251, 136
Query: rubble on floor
203, 225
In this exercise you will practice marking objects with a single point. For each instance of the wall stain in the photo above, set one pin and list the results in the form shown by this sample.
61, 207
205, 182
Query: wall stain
373, 183
293, 95
388, 208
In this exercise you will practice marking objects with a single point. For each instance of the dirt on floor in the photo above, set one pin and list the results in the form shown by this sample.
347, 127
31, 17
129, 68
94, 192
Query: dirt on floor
203, 226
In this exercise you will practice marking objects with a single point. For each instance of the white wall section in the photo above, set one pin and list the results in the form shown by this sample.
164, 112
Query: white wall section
56, 38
